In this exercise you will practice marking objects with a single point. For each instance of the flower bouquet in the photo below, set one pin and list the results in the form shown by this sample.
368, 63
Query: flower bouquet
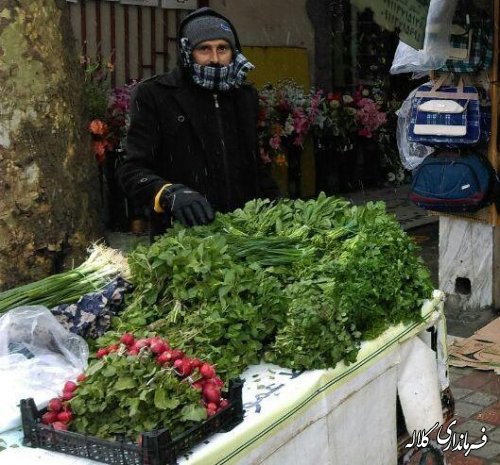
286, 116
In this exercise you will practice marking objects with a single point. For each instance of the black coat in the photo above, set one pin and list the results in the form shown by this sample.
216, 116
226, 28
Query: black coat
177, 135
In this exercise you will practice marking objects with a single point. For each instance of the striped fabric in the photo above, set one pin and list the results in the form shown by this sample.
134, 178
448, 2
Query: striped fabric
470, 118
481, 52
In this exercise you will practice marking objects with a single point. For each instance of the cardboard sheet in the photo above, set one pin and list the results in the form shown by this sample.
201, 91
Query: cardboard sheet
480, 351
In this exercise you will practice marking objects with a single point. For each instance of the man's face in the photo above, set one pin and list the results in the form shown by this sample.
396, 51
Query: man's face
213, 53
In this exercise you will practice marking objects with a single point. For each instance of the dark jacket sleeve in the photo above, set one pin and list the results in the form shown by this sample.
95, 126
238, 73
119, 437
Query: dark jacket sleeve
136, 174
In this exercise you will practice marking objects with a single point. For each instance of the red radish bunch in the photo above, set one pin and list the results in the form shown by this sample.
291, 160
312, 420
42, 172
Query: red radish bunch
59, 413
202, 376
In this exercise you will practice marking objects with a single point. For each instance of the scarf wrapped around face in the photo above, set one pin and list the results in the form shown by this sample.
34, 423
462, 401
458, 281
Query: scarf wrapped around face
221, 78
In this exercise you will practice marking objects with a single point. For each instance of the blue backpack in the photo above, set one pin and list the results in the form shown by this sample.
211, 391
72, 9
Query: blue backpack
453, 182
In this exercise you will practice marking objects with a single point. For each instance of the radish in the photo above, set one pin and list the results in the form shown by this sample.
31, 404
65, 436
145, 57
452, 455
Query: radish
178, 364
158, 347
207, 371
113, 348
215, 381
55, 405
70, 386
65, 417
211, 394
142, 343
187, 367
133, 352
196, 363
49, 417
81, 377
164, 358
59, 425
101, 353
224, 403
67, 395
177, 353
211, 406
127, 339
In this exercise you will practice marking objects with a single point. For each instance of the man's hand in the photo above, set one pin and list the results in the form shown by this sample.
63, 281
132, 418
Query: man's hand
186, 205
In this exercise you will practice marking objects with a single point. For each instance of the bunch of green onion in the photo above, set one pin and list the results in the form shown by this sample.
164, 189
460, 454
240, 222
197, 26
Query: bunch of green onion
101, 267
270, 250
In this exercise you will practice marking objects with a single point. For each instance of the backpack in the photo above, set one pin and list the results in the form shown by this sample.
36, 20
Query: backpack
453, 182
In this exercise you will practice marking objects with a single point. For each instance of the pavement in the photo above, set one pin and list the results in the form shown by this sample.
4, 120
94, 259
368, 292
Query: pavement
476, 393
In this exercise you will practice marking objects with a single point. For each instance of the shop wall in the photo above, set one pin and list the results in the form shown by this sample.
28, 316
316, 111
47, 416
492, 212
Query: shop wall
139, 37
276, 23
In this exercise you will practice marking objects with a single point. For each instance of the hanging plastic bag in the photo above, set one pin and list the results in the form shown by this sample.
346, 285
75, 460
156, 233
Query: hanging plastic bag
411, 153
37, 355
436, 42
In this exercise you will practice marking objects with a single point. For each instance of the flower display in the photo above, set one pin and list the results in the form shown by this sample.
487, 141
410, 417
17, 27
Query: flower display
109, 131
100, 139
340, 120
287, 114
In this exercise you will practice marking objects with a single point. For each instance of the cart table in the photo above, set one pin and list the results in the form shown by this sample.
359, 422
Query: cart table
345, 415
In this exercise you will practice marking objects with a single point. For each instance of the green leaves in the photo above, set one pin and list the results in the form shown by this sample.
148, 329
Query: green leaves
300, 281
193, 413
125, 383
139, 397
162, 402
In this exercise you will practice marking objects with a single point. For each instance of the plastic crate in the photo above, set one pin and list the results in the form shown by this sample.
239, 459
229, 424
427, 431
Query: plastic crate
158, 447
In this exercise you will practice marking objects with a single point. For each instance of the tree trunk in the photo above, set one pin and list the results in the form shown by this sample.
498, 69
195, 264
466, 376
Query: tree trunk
49, 194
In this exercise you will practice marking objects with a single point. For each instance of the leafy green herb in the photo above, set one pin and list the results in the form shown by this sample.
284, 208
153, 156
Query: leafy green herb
299, 283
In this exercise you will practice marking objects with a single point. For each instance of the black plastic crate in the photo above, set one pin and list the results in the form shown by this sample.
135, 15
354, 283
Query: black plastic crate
158, 447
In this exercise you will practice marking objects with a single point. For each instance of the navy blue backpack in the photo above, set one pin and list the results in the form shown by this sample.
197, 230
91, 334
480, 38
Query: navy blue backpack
452, 182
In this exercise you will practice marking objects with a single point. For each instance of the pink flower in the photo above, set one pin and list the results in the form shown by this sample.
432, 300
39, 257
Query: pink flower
365, 132
275, 142
264, 156
300, 121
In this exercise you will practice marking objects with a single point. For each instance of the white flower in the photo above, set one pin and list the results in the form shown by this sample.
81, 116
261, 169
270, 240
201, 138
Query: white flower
350, 111
391, 177
347, 99
288, 129
334, 103
401, 175
365, 92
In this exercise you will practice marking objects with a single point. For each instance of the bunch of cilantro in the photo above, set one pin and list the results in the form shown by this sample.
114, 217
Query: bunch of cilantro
298, 283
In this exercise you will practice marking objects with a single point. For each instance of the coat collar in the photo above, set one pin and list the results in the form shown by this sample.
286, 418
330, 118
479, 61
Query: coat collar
185, 94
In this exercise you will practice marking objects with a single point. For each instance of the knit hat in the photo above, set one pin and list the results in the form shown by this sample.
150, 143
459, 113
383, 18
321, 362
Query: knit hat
205, 28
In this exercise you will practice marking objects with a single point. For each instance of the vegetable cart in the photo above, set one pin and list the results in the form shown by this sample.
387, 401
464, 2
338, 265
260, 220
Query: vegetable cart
336, 416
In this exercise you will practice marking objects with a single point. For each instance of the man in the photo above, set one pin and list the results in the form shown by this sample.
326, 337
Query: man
192, 143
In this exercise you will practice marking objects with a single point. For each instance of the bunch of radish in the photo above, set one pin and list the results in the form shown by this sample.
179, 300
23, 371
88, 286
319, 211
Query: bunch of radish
59, 413
201, 375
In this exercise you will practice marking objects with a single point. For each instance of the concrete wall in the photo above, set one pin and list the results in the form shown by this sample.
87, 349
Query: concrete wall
272, 23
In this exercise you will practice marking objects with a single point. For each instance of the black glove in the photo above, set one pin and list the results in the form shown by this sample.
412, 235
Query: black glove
186, 205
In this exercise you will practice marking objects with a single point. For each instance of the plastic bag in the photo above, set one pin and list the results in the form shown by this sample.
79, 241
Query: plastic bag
436, 42
37, 356
411, 153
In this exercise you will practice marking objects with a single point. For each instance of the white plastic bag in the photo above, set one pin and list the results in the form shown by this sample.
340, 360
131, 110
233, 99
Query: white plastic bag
411, 153
436, 42
37, 356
